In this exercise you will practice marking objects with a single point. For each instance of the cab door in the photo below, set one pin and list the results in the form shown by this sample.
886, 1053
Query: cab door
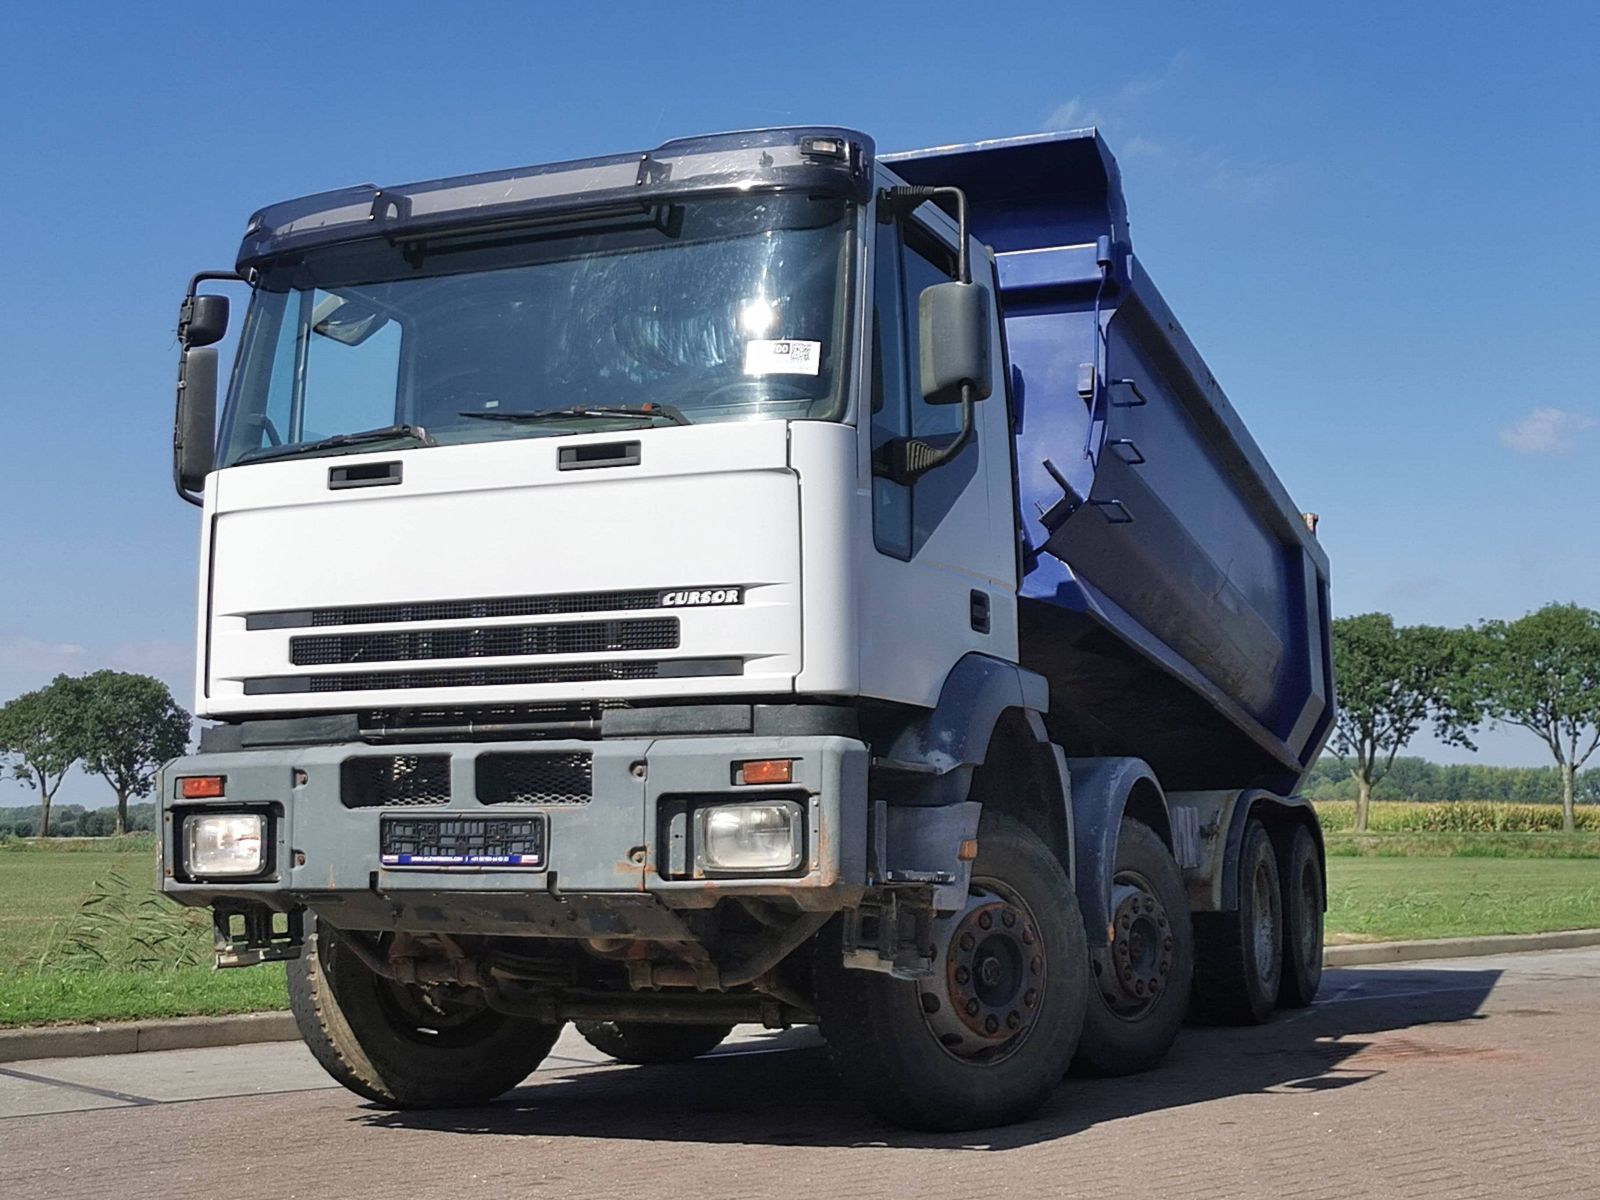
940, 572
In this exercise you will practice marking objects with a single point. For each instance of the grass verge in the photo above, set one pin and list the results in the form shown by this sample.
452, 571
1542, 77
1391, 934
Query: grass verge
1388, 899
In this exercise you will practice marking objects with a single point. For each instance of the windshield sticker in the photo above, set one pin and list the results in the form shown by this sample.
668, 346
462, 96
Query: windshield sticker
762, 356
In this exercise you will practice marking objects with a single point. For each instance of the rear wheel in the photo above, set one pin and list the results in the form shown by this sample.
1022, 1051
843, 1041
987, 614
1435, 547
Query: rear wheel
642, 1042
1239, 955
1139, 992
406, 1046
1303, 906
985, 1040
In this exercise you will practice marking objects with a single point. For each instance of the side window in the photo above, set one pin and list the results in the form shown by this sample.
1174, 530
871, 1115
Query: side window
891, 502
927, 262
340, 380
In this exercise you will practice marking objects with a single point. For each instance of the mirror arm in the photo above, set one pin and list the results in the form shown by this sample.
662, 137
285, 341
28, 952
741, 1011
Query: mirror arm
905, 460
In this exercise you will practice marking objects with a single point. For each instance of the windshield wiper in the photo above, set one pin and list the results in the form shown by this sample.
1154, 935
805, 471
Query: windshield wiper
410, 433
648, 412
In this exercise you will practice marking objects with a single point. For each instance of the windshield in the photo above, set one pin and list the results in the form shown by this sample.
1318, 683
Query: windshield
708, 310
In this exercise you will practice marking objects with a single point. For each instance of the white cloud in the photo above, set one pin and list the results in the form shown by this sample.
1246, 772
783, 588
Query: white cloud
1074, 114
1545, 430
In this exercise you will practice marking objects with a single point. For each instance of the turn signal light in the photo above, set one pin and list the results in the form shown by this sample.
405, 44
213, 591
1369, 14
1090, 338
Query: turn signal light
201, 787
767, 770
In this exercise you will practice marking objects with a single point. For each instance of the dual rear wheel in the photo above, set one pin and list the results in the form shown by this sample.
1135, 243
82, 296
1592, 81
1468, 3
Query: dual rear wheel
1268, 953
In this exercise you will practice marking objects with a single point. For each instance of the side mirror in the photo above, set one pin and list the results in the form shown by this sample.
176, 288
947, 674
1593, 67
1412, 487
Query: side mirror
194, 428
954, 319
203, 320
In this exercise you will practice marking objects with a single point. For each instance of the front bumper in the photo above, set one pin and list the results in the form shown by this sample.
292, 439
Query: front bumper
612, 866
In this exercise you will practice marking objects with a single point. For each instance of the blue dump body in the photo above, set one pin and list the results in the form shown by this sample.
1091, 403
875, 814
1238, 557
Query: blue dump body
1172, 594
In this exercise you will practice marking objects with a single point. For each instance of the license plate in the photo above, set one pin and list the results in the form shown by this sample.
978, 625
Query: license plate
436, 842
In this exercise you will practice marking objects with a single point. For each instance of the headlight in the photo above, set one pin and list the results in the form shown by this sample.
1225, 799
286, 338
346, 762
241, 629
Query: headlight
218, 844
768, 836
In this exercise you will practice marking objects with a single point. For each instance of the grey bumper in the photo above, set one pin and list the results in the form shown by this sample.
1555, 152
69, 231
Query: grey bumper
610, 867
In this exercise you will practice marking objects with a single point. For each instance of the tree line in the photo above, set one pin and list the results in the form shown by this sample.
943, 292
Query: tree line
116, 725
1540, 672
1423, 781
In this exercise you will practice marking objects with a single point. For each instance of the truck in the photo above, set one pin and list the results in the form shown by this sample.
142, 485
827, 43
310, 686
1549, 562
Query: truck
752, 580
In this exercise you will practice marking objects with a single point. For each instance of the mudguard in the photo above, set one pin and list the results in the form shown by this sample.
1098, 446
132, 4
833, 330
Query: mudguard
1100, 791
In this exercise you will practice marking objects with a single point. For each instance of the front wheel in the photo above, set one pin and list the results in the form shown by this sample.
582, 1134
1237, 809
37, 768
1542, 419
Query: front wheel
985, 1040
645, 1043
405, 1046
1139, 993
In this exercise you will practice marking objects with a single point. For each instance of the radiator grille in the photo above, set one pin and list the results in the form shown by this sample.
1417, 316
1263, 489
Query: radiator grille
495, 641
535, 778
394, 780
508, 675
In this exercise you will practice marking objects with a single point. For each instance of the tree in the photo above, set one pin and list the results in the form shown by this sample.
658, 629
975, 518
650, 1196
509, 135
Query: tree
1542, 672
41, 736
1390, 680
131, 725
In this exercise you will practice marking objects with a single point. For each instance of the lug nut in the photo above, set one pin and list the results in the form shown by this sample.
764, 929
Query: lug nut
972, 1007
967, 941
1030, 997
1013, 1020
1035, 965
991, 1024
962, 975
1027, 937
1008, 918
985, 920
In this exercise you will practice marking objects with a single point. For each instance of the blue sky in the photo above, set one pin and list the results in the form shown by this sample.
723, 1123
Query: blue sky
1379, 222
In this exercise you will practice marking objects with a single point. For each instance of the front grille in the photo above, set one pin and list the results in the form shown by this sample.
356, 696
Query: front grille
394, 780
510, 675
492, 606
535, 778
495, 641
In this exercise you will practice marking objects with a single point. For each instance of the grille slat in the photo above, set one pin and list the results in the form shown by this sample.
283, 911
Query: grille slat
394, 780
506, 675
495, 641
478, 609
535, 778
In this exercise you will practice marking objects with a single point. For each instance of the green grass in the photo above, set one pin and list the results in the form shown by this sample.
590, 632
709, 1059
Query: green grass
126, 955
1386, 899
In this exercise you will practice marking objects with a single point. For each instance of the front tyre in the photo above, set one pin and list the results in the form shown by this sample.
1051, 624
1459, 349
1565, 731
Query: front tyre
984, 1041
645, 1043
405, 1046
1139, 991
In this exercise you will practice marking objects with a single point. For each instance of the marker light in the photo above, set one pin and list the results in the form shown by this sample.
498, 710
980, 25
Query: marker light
224, 844
767, 770
201, 787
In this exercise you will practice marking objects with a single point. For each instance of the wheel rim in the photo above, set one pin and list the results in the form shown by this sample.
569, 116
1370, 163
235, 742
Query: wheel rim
986, 1001
1263, 895
1132, 973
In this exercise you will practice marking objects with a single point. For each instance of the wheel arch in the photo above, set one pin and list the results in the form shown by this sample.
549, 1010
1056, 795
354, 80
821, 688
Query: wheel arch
1104, 790
1281, 815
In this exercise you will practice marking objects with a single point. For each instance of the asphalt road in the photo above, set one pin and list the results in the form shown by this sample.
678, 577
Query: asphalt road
1465, 1078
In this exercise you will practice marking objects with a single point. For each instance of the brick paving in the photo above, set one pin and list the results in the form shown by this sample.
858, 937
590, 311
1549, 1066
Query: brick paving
1473, 1078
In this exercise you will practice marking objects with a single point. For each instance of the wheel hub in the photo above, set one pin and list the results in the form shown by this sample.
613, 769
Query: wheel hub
1133, 971
992, 986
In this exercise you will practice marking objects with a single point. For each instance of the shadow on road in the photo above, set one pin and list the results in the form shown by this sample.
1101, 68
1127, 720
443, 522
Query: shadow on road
790, 1097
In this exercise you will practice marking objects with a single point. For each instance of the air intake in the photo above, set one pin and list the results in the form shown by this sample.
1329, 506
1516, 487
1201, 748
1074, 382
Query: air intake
535, 778
394, 780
